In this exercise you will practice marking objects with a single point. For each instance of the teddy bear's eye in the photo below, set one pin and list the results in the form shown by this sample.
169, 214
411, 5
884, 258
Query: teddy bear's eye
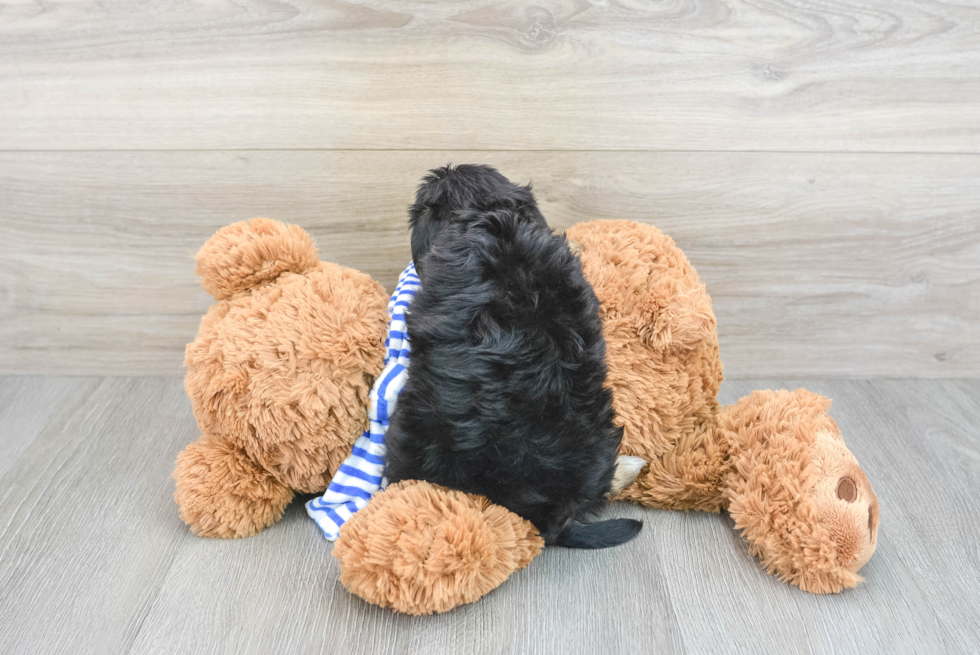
847, 490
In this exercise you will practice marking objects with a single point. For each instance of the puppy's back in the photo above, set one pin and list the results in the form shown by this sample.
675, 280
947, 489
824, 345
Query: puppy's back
505, 393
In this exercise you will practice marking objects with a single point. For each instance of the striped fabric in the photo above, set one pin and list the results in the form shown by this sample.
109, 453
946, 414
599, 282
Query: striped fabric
360, 476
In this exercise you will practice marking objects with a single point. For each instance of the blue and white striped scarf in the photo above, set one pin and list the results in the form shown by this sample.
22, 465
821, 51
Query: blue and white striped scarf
360, 476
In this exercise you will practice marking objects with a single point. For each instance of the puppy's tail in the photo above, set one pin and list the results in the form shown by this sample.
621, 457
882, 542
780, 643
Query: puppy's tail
603, 534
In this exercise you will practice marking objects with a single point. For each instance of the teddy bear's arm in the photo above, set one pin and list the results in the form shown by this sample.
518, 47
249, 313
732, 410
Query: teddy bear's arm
223, 493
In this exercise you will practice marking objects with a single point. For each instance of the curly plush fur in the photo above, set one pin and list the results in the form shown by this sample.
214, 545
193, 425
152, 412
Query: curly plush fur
422, 549
505, 394
662, 353
278, 375
223, 493
786, 463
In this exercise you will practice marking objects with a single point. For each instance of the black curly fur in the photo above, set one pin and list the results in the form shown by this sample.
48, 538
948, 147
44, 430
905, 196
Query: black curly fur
505, 393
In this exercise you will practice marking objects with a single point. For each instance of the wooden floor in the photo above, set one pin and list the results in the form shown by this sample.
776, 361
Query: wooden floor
94, 559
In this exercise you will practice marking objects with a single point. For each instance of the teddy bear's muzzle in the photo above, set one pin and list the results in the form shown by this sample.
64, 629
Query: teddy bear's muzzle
864, 518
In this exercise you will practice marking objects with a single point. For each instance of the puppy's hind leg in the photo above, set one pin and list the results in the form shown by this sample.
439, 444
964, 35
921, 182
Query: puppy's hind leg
627, 469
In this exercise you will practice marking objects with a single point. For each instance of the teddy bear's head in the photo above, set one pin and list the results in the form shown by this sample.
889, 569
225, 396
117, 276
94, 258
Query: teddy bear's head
284, 360
796, 492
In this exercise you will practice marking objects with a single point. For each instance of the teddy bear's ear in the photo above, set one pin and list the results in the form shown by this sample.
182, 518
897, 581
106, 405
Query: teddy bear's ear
676, 319
242, 255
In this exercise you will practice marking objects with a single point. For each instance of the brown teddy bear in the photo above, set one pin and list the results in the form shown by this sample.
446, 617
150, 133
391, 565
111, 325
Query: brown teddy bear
279, 376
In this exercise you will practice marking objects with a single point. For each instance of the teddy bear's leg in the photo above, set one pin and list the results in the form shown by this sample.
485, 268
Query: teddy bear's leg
223, 493
422, 549
796, 492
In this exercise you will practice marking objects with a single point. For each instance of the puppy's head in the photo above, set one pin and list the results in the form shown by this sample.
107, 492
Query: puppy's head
448, 194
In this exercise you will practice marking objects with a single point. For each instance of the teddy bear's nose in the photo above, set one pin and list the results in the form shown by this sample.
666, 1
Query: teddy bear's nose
847, 490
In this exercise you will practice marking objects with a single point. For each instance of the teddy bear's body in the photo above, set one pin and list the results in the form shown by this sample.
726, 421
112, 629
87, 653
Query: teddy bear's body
663, 358
281, 368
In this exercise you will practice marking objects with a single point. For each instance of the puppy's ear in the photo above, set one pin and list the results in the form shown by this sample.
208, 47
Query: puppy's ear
431, 209
424, 228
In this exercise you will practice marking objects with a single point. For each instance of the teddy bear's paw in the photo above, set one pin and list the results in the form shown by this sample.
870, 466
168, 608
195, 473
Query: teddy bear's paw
222, 493
422, 549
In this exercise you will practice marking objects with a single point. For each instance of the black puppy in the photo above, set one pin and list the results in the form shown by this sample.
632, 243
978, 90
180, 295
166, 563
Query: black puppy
505, 394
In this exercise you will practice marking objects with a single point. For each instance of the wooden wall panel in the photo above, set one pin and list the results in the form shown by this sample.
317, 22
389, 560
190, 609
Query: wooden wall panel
835, 265
817, 161
880, 75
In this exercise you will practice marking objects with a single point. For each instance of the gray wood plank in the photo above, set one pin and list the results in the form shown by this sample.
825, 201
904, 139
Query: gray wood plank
275, 592
895, 75
928, 436
862, 265
89, 529
27, 404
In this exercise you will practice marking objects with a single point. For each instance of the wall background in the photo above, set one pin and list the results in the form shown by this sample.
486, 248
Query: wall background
820, 166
